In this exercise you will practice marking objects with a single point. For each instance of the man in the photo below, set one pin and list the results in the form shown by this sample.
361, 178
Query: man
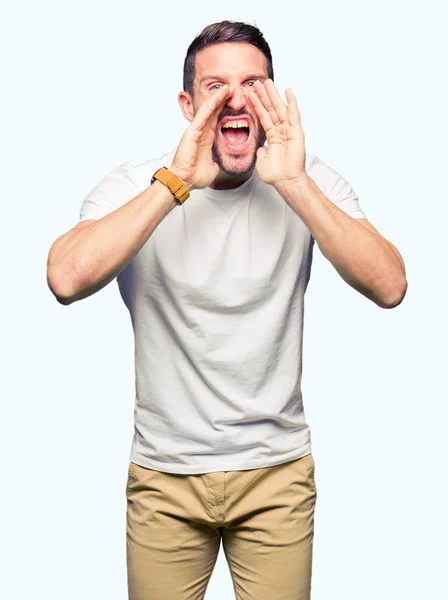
215, 289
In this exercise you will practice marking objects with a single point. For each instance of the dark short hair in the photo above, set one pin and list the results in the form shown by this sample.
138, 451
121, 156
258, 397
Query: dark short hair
217, 33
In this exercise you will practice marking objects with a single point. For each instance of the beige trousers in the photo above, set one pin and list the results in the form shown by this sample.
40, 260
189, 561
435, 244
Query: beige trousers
264, 517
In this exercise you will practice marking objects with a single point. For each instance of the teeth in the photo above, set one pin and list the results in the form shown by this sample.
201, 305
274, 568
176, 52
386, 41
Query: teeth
235, 124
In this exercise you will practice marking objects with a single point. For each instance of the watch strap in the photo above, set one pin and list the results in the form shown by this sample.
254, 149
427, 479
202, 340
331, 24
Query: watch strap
172, 181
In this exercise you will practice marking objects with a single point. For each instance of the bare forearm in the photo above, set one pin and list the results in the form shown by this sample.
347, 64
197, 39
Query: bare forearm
84, 260
365, 260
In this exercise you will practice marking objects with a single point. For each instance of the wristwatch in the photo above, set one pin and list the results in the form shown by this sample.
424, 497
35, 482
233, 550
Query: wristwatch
172, 181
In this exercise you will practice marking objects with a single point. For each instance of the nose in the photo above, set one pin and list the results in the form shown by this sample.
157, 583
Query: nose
237, 99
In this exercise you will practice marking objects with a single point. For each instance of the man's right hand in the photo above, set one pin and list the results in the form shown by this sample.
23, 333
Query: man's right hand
193, 161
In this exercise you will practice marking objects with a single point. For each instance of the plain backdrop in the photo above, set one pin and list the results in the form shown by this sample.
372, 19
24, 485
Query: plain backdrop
87, 86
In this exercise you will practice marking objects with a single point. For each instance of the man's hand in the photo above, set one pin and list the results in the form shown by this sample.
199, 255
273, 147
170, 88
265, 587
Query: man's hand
193, 161
283, 160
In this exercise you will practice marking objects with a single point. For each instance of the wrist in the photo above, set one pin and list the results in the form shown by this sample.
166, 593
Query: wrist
297, 183
164, 196
173, 181
181, 176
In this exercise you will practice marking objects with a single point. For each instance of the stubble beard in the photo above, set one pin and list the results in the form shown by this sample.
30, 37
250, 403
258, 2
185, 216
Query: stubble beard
236, 165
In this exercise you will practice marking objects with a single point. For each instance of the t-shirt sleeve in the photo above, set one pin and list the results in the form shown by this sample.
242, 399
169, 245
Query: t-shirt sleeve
336, 188
116, 189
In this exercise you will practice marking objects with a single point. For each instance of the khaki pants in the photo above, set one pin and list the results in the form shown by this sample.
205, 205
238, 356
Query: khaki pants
264, 517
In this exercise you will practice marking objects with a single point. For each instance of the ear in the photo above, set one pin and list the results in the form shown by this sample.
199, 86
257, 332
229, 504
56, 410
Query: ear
186, 105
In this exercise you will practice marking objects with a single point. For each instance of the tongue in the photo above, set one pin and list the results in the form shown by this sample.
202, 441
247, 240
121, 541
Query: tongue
235, 137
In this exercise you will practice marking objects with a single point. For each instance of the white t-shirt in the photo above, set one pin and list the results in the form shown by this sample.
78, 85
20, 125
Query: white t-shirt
216, 299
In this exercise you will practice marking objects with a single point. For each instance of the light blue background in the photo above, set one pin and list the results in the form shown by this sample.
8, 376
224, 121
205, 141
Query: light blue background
90, 85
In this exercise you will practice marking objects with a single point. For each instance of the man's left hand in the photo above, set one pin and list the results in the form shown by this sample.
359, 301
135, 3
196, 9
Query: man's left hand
283, 161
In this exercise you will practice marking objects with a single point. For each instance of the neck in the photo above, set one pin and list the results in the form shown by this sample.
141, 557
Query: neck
229, 182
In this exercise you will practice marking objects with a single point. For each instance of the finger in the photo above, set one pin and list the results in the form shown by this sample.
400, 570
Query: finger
276, 101
213, 119
209, 107
261, 93
293, 109
261, 112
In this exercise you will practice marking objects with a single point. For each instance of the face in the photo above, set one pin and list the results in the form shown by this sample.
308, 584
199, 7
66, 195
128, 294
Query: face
238, 65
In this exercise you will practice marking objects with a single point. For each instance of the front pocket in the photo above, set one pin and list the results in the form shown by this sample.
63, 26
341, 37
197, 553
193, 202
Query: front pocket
308, 462
312, 470
131, 476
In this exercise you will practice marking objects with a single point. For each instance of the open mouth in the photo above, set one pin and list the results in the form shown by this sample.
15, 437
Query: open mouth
236, 137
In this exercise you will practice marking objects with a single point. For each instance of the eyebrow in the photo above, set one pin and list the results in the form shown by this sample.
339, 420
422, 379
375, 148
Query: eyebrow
211, 77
